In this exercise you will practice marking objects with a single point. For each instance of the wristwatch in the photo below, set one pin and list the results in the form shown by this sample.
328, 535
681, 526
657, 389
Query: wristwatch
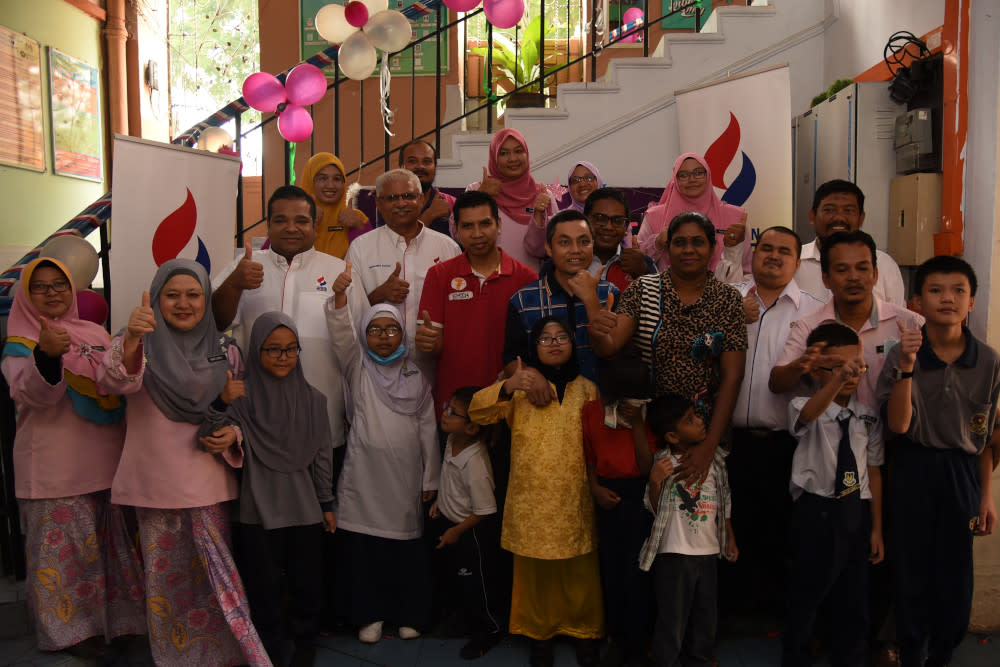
898, 374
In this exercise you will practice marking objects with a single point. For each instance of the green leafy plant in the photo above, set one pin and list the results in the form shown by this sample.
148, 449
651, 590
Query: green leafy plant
518, 65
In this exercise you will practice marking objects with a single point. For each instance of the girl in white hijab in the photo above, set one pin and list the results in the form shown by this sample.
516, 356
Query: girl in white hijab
391, 469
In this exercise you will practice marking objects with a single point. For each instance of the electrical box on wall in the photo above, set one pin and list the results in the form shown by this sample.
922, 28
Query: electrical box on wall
915, 150
914, 217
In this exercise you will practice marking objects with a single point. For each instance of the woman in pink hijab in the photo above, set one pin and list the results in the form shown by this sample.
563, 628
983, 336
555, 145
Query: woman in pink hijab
690, 189
525, 204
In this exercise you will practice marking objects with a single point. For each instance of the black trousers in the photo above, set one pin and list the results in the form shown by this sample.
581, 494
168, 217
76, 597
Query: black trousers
293, 555
935, 496
468, 573
830, 545
759, 467
627, 590
687, 610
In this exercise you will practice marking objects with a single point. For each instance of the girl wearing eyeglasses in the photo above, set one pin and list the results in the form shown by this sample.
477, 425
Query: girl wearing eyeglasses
286, 498
548, 521
66, 449
690, 189
391, 469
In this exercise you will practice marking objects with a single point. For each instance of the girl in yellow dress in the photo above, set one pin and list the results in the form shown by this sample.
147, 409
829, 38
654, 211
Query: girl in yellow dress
548, 522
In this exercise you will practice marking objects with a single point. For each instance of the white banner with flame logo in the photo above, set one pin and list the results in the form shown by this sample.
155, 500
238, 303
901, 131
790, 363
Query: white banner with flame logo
167, 202
742, 125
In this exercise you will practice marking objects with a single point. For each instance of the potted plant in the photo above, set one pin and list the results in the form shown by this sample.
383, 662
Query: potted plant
519, 66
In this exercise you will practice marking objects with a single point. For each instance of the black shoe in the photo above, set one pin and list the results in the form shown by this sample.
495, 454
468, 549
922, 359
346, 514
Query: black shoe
305, 654
541, 653
588, 652
480, 645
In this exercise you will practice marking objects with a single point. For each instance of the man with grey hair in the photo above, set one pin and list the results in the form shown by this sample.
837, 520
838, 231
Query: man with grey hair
389, 263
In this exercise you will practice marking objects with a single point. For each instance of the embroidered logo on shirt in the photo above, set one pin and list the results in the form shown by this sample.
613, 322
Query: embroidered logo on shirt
458, 283
869, 421
321, 284
977, 424
850, 479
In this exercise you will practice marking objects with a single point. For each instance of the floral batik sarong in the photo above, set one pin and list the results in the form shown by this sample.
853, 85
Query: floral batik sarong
197, 610
84, 577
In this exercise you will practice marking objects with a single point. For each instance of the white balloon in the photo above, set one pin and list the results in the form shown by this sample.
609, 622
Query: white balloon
77, 254
357, 57
389, 30
375, 6
213, 138
332, 25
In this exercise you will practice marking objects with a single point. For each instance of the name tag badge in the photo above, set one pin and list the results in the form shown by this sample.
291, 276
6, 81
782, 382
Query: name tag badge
217, 357
335, 229
460, 296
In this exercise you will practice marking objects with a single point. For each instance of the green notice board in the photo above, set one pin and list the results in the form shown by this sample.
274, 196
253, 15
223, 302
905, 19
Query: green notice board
685, 18
420, 58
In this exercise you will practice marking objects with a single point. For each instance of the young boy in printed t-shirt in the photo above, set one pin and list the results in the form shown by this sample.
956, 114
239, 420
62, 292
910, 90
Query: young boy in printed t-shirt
837, 488
690, 531
942, 385
464, 515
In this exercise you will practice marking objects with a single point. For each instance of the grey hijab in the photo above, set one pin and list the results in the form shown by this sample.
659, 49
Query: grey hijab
186, 370
284, 420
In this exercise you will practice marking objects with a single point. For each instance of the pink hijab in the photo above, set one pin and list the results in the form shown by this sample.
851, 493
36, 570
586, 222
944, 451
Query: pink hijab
673, 203
88, 341
518, 194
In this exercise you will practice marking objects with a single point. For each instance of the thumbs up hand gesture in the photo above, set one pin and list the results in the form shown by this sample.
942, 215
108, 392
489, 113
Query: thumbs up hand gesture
521, 380
604, 322
394, 289
429, 337
248, 274
343, 281
141, 321
489, 184
233, 389
54, 341
910, 340
751, 307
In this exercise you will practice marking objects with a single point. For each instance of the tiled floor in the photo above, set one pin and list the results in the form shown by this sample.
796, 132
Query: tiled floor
739, 645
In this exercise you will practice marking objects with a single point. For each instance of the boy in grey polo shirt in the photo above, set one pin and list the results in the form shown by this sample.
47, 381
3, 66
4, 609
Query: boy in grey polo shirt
941, 386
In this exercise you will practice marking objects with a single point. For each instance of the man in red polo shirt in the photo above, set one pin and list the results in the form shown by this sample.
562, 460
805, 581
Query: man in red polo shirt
463, 305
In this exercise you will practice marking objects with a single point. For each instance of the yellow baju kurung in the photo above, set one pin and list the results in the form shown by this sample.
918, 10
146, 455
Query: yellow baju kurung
548, 521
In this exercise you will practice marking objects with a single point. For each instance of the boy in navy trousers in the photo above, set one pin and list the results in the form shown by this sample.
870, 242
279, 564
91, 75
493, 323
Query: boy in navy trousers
941, 385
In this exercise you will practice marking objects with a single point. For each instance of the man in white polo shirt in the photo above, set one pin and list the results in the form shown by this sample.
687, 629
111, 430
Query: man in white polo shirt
390, 262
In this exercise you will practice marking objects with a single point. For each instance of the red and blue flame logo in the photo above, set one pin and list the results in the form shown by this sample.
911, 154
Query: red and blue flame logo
720, 155
174, 233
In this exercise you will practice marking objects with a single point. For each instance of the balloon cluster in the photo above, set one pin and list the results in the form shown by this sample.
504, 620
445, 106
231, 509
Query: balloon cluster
360, 27
304, 85
501, 13
81, 260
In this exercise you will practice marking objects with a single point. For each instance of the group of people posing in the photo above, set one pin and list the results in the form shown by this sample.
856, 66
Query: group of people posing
528, 416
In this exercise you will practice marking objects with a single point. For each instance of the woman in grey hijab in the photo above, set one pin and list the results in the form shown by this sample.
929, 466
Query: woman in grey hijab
286, 496
176, 469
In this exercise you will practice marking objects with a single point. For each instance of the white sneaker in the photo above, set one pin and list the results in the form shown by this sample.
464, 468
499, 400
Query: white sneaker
371, 633
406, 632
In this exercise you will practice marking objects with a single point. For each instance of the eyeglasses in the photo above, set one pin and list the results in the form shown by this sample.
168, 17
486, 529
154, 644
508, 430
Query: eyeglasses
58, 287
279, 352
407, 196
688, 175
582, 179
611, 220
450, 412
549, 341
376, 331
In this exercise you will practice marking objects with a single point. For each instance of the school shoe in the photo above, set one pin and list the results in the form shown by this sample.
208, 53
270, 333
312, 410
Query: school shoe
371, 633
541, 653
480, 645
406, 632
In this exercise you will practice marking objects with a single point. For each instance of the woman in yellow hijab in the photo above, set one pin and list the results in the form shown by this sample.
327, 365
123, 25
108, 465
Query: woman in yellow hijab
336, 223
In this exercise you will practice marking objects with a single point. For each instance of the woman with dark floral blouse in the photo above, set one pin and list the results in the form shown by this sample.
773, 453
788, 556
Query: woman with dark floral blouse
690, 328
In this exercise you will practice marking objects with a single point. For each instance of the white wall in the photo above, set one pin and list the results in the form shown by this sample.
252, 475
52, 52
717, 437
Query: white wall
855, 41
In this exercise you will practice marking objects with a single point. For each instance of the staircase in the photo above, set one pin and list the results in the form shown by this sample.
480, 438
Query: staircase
626, 123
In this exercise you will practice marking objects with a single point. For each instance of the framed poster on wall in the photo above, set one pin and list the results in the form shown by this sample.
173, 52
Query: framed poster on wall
77, 146
421, 59
22, 132
683, 20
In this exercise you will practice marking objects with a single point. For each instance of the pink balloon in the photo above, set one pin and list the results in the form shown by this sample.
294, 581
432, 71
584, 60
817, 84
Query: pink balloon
632, 14
503, 13
263, 91
295, 124
305, 85
356, 13
92, 306
462, 5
